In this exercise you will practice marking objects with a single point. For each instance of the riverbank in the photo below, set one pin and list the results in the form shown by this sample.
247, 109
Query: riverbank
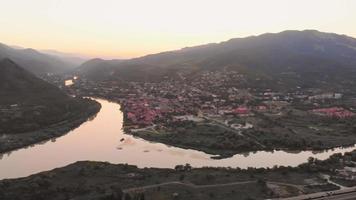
10, 142
203, 145
216, 140
102, 180
90, 142
266, 133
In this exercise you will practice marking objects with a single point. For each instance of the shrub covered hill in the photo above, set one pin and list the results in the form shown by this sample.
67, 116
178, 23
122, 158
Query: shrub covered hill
290, 58
28, 103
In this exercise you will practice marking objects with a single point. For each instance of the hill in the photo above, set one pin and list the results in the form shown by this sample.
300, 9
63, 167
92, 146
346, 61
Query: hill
293, 58
74, 59
98, 68
35, 61
28, 103
17, 85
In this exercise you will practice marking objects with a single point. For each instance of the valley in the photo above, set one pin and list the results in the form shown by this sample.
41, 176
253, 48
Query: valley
244, 98
232, 119
261, 117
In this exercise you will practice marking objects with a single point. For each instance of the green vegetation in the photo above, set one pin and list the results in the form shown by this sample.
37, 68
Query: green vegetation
298, 130
14, 141
280, 61
32, 110
206, 137
98, 180
292, 130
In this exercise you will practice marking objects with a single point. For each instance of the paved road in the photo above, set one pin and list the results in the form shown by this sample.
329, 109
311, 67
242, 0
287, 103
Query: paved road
328, 178
350, 196
205, 186
299, 187
344, 194
222, 125
187, 184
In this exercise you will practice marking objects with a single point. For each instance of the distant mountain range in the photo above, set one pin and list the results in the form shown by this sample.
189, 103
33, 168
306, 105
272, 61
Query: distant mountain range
39, 62
72, 58
291, 58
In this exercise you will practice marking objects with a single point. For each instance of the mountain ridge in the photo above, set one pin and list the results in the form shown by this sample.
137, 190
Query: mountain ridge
35, 61
305, 53
29, 103
18, 84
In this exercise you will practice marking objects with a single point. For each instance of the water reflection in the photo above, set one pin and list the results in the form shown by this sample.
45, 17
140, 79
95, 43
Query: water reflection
102, 139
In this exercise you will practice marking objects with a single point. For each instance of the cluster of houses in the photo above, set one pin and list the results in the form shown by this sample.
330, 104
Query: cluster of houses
148, 111
308, 96
139, 112
242, 110
209, 94
347, 173
326, 96
337, 112
180, 100
145, 112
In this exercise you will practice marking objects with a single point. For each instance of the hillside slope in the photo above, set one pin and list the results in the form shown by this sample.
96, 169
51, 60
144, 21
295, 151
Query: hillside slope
36, 62
28, 103
292, 58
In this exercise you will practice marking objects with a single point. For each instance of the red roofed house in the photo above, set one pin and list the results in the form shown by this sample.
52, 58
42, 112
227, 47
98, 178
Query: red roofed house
242, 110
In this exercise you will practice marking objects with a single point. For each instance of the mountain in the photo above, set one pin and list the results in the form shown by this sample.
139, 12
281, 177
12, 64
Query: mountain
74, 59
291, 57
35, 61
18, 85
98, 68
28, 103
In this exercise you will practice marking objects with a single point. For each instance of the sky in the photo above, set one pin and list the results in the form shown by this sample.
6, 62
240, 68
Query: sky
132, 28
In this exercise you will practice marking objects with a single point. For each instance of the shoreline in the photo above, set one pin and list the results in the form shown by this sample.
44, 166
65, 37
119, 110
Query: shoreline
222, 154
218, 153
13, 142
103, 180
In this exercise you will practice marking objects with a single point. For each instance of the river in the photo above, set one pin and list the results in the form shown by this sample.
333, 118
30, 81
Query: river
100, 140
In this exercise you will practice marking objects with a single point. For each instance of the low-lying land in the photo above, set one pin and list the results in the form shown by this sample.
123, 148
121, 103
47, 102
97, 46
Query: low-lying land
206, 137
98, 180
292, 131
216, 113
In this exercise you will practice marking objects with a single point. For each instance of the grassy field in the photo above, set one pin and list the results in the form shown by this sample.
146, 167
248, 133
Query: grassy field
291, 130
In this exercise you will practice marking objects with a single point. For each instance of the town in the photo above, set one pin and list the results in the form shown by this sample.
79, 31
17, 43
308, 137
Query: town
217, 112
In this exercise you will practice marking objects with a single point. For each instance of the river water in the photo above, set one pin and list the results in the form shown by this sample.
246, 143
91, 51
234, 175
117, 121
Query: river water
100, 140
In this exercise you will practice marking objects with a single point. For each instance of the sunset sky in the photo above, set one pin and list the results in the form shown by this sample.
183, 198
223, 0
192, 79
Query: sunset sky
131, 28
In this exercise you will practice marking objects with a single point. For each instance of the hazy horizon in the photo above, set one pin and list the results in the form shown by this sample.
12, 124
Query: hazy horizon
110, 29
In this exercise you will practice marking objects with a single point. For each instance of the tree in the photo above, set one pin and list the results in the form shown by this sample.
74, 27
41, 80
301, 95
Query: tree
142, 196
187, 167
127, 196
179, 168
181, 177
311, 160
261, 182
